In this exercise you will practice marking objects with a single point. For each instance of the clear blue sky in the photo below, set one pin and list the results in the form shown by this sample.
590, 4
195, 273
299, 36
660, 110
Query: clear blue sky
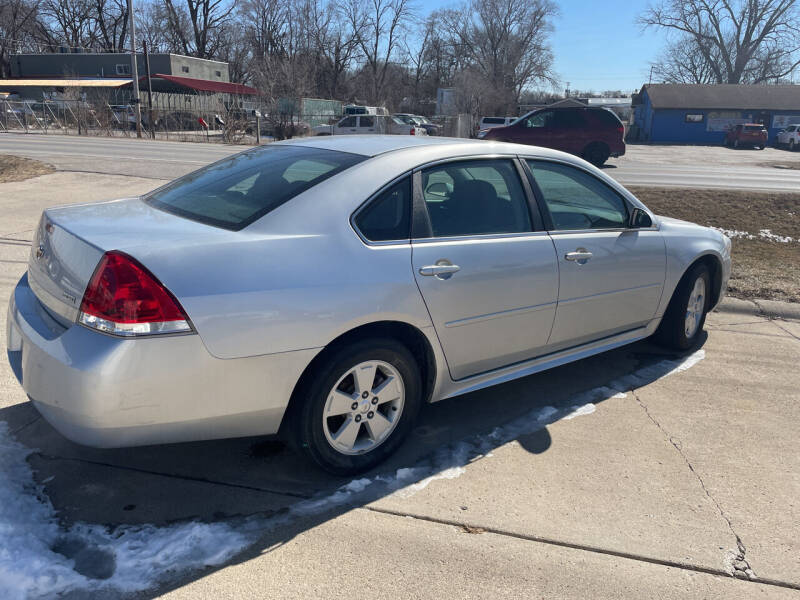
597, 44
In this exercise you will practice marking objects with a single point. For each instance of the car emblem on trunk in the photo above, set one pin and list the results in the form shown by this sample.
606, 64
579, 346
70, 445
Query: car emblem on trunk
40, 252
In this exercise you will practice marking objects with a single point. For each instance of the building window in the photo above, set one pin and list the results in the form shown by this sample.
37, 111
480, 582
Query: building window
218, 73
122, 69
185, 69
694, 118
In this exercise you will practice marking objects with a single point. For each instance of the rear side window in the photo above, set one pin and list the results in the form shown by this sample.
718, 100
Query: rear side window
569, 119
576, 199
388, 216
606, 117
348, 122
475, 198
236, 191
366, 121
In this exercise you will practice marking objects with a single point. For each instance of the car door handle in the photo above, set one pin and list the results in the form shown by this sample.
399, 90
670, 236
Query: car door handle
581, 255
440, 271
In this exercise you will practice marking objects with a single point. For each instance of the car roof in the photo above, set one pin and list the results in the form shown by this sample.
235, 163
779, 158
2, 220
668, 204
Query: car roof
375, 145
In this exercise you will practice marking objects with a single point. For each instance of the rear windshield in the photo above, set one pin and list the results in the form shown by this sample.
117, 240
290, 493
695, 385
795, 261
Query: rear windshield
494, 120
235, 191
753, 127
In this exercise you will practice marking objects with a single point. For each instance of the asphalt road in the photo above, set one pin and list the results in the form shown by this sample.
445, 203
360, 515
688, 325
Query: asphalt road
685, 486
680, 166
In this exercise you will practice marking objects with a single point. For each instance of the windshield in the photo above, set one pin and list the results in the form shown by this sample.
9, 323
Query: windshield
235, 191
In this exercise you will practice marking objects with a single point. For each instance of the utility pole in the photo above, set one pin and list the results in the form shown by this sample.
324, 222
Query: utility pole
149, 90
137, 109
651, 74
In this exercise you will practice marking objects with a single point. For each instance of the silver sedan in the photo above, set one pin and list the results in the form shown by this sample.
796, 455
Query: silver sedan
323, 289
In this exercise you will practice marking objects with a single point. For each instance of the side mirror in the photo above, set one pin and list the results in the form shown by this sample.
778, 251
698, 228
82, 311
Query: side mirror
640, 219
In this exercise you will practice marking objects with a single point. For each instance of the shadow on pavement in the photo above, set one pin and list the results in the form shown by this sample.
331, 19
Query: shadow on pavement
260, 483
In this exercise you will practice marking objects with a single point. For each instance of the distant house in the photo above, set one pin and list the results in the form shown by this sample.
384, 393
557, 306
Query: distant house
701, 114
178, 82
113, 65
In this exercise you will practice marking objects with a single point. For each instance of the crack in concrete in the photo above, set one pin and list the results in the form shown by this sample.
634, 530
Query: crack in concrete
735, 561
779, 326
29, 423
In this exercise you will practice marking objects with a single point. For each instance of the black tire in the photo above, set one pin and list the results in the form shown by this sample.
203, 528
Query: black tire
791, 146
305, 427
671, 332
596, 153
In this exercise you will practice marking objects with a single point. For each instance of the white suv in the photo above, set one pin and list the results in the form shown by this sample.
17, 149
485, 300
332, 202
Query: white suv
789, 137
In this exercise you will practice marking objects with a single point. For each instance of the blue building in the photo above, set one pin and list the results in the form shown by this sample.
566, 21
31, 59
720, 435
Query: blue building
701, 114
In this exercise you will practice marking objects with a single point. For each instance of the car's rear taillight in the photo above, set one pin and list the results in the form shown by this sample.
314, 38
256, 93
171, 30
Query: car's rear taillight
621, 129
124, 298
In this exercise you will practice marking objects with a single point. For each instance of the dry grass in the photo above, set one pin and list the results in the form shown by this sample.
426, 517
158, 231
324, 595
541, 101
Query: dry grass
17, 168
761, 268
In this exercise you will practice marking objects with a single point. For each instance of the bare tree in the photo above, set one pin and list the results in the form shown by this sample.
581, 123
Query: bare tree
378, 26
205, 19
507, 42
740, 41
683, 62
111, 19
18, 23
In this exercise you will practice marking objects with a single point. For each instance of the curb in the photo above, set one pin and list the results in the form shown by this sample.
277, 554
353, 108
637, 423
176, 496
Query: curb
772, 309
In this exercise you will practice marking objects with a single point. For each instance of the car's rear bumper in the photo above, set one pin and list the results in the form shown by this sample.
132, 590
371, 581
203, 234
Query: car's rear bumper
106, 391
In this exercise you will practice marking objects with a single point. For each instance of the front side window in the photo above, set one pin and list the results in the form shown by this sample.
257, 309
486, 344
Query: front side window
235, 191
367, 121
577, 199
475, 198
540, 119
387, 217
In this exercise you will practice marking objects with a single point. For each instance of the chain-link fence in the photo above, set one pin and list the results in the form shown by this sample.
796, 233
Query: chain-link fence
79, 117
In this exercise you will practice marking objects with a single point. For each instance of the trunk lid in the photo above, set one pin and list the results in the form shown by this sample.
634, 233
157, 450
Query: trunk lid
70, 241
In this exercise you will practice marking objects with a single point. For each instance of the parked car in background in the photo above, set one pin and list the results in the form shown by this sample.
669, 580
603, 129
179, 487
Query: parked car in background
368, 124
487, 123
292, 281
753, 135
429, 126
789, 138
591, 133
357, 109
419, 121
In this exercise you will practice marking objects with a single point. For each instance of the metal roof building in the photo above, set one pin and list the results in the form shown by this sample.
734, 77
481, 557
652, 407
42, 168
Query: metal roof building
702, 114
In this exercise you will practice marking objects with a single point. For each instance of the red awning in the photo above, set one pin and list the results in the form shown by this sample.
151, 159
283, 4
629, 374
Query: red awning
202, 85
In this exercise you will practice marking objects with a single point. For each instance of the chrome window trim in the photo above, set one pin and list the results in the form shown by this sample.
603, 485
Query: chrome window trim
609, 230
479, 237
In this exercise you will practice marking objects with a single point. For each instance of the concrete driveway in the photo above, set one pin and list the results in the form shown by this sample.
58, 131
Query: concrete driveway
681, 166
636, 474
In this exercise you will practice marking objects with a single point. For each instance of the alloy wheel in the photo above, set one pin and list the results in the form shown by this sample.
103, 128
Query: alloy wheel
363, 407
695, 308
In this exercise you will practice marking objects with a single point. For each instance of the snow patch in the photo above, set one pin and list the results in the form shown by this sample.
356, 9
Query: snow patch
764, 234
39, 558
580, 411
